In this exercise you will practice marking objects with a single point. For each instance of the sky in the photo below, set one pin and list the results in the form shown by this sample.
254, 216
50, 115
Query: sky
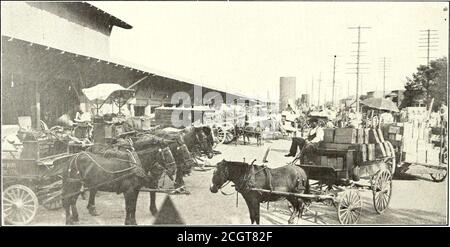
246, 47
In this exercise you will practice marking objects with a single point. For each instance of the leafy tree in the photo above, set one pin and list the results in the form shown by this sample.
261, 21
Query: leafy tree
427, 83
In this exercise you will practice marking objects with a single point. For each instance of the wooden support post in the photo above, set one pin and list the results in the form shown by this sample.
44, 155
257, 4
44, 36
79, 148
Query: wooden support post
38, 106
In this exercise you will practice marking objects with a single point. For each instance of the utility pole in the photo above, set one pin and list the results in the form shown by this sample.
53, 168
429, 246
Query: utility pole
312, 89
428, 41
384, 76
384, 64
334, 81
358, 62
318, 96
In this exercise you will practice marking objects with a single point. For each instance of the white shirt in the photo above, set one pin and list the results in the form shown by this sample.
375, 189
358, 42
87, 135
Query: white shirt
386, 118
319, 134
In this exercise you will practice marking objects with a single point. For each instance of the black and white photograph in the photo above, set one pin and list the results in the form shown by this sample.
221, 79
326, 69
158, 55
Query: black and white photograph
224, 113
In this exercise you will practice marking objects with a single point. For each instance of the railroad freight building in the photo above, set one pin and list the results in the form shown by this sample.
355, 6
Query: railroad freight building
64, 46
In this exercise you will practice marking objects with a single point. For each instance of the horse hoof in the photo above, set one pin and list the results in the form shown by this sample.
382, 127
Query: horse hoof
93, 212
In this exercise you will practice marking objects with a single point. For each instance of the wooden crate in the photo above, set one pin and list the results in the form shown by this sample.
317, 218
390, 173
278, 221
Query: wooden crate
359, 136
394, 129
345, 135
338, 146
323, 160
362, 153
332, 162
373, 136
366, 135
339, 163
328, 136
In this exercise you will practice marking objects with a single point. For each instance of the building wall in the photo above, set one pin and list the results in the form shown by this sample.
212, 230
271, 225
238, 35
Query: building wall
55, 25
287, 92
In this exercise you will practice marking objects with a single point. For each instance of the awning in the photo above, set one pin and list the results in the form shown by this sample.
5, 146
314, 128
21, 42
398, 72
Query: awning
105, 91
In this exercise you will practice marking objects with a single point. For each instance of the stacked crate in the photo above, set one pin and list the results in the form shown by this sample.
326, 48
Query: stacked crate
369, 143
417, 146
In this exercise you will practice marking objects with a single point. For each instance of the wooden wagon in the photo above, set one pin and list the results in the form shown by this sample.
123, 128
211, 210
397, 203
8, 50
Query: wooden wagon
339, 171
30, 179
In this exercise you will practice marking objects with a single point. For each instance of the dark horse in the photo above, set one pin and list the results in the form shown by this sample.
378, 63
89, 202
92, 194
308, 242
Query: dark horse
247, 132
246, 177
118, 170
197, 142
183, 159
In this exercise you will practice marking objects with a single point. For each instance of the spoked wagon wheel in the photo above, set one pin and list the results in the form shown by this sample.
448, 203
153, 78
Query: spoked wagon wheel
221, 135
20, 204
381, 190
349, 207
439, 175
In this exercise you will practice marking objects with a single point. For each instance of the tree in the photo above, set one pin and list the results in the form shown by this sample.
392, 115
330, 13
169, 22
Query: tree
427, 83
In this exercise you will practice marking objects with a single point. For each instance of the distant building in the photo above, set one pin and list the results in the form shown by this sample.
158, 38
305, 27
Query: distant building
287, 92
396, 96
375, 94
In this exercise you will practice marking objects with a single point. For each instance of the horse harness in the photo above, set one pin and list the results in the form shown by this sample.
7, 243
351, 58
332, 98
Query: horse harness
248, 181
135, 167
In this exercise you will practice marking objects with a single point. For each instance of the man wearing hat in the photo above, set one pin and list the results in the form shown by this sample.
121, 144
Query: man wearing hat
309, 144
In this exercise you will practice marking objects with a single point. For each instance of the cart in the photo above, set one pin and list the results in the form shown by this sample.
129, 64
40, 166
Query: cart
340, 185
29, 180
107, 131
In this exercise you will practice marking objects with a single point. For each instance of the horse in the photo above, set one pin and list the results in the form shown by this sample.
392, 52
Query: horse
197, 142
183, 159
246, 132
289, 178
113, 171
145, 152
195, 139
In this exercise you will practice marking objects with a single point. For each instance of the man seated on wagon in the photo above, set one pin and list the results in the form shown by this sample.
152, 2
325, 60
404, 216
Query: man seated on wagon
310, 143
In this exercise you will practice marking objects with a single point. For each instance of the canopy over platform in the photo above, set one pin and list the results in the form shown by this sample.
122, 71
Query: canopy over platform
108, 92
380, 104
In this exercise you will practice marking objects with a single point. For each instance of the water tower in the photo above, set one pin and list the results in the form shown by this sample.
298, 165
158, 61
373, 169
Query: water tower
287, 92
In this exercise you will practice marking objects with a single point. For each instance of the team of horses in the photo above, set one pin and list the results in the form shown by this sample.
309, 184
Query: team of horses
130, 164
140, 161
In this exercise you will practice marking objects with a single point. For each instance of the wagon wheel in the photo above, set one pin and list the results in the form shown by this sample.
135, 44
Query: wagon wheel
349, 207
20, 204
220, 134
439, 175
229, 137
381, 190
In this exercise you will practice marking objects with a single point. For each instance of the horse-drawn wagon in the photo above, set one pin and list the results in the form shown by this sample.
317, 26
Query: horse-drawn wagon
348, 161
30, 179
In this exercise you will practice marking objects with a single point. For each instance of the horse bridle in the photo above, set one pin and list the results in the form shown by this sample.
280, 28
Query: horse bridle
179, 149
224, 184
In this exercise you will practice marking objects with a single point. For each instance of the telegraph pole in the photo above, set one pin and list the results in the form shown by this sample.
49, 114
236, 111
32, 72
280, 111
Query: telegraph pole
334, 81
312, 89
429, 41
358, 62
318, 96
384, 76
384, 64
